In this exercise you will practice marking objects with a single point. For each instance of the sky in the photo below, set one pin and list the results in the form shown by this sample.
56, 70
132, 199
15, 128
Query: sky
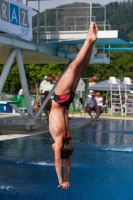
54, 3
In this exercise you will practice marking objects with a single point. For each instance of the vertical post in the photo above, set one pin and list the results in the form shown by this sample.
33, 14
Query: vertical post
103, 52
111, 96
45, 20
64, 24
56, 21
125, 102
104, 18
75, 27
87, 22
109, 52
90, 11
24, 83
6, 69
38, 13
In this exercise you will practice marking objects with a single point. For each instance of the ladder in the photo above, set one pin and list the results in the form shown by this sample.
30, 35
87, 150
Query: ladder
128, 96
114, 96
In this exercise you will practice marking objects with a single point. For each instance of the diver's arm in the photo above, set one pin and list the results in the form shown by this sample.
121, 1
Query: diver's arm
58, 162
67, 169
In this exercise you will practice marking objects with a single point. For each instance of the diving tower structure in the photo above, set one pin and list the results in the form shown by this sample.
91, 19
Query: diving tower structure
58, 44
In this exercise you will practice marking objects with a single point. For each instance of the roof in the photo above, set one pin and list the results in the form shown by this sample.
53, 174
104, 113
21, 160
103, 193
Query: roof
93, 78
105, 86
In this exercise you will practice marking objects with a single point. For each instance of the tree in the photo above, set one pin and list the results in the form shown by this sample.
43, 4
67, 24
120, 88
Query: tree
34, 74
121, 66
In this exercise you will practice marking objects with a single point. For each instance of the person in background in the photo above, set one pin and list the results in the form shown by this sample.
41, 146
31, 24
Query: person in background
36, 107
91, 105
89, 95
99, 100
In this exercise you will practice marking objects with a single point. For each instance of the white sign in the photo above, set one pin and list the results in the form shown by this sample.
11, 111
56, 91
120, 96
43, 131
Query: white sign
4, 108
16, 18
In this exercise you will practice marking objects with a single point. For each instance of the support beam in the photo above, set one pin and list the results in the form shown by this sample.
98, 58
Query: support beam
117, 49
6, 69
24, 84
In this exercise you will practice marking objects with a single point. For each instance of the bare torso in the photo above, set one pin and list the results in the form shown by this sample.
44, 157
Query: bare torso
58, 121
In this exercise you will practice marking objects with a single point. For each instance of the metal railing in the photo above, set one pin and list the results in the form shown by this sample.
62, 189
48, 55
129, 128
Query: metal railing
66, 18
72, 19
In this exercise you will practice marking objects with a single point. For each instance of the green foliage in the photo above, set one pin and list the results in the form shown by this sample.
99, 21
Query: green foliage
119, 15
12, 83
37, 72
90, 70
34, 73
121, 66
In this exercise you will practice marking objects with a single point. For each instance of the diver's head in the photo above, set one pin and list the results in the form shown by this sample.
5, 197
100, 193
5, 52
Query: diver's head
66, 150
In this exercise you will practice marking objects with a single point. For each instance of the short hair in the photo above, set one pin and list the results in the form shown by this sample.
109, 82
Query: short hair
67, 149
93, 93
46, 92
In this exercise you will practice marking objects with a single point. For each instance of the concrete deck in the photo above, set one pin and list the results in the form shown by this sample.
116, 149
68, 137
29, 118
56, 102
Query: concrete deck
13, 125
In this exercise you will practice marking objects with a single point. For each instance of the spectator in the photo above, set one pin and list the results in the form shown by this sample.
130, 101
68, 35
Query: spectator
99, 103
89, 95
36, 107
91, 105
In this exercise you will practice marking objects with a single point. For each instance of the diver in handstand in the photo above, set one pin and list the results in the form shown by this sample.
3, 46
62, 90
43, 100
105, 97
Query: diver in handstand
64, 95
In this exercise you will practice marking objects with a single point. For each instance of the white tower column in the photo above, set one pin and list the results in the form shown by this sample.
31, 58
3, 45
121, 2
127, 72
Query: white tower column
24, 84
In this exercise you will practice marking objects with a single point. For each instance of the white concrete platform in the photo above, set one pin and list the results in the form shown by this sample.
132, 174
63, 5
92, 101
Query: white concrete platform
78, 37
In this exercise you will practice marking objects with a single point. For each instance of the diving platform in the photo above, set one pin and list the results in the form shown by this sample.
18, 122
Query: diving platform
78, 37
31, 52
68, 43
58, 47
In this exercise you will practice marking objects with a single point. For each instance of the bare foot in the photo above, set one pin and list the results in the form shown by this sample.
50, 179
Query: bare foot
92, 32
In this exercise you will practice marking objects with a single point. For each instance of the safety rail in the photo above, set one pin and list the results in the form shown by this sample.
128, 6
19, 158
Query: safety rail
71, 19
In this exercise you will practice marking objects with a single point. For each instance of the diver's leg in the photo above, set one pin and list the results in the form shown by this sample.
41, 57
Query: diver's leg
79, 72
67, 80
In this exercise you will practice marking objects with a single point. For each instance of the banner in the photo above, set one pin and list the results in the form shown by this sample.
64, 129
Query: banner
16, 18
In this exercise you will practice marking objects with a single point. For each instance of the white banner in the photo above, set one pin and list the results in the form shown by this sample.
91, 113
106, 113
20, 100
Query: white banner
16, 18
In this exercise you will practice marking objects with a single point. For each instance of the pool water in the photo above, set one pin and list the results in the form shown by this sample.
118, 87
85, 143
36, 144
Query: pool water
101, 169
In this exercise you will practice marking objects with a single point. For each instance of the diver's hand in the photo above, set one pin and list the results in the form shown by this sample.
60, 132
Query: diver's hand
64, 185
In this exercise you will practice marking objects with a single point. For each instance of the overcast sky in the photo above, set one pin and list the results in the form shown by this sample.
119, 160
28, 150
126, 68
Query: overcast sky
54, 3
